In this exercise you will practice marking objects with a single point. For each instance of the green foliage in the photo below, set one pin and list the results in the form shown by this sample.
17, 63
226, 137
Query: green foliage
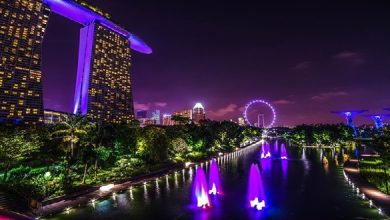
16, 146
381, 144
320, 134
153, 144
78, 153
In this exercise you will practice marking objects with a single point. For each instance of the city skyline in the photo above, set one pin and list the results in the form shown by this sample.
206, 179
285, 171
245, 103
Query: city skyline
304, 67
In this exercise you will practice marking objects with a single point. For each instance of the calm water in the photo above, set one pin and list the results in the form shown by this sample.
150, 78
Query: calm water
299, 188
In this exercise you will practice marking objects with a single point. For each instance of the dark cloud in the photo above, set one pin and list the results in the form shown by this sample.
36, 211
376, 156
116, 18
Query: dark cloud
350, 57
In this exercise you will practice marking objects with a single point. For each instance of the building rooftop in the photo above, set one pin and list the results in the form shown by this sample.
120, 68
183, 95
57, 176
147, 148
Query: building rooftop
85, 15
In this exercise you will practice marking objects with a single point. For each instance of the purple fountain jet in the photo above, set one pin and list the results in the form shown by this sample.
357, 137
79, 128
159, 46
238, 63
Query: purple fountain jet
265, 151
256, 196
283, 152
214, 180
200, 189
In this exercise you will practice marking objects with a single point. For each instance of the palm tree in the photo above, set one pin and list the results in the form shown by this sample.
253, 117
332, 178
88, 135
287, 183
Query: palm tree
71, 130
98, 134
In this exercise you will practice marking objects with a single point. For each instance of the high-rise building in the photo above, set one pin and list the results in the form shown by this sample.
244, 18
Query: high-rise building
103, 84
142, 114
186, 113
167, 120
241, 121
198, 112
53, 117
156, 117
103, 88
22, 27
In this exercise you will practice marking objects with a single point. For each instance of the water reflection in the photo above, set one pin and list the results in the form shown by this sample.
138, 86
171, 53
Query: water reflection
176, 181
167, 183
146, 196
131, 193
157, 189
302, 176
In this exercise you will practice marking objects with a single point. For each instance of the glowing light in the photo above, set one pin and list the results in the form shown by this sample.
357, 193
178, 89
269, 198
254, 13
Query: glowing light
198, 105
187, 164
380, 211
131, 193
349, 118
200, 189
67, 210
265, 151
93, 202
214, 180
370, 203
255, 189
106, 187
256, 204
283, 152
262, 102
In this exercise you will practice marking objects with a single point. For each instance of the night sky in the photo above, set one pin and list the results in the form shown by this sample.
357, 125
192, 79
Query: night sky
307, 58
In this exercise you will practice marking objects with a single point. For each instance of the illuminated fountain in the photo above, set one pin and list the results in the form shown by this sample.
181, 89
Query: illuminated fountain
200, 189
214, 180
255, 189
283, 152
265, 151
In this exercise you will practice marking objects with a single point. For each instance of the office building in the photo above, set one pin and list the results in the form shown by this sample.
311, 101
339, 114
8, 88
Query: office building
198, 113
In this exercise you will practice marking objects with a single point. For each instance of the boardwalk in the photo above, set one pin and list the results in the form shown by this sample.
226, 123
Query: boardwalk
316, 146
379, 199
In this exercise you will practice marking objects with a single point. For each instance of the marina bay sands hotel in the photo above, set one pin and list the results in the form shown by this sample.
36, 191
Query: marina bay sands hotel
103, 85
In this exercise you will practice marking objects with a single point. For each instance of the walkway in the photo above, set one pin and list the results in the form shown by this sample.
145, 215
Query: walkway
378, 198
10, 201
317, 146
66, 202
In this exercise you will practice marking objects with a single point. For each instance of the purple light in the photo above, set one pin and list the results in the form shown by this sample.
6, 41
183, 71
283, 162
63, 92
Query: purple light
214, 180
284, 168
283, 152
276, 144
83, 69
199, 191
256, 196
265, 151
263, 102
85, 16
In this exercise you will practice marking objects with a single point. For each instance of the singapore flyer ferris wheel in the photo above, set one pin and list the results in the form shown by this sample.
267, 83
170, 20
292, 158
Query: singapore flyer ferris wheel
251, 106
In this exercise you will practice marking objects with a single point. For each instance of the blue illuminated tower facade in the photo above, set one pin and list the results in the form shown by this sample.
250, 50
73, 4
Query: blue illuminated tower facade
349, 115
103, 84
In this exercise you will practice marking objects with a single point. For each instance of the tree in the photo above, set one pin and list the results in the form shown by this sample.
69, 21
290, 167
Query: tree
71, 130
98, 134
153, 144
15, 147
381, 145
